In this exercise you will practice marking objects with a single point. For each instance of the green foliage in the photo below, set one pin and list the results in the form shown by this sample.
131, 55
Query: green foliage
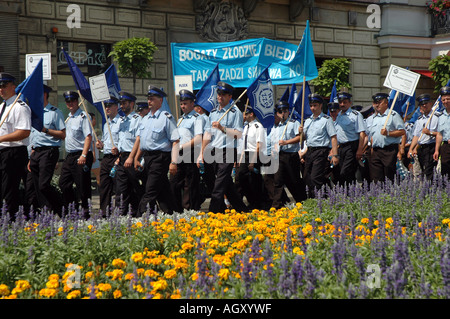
334, 69
134, 56
440, 66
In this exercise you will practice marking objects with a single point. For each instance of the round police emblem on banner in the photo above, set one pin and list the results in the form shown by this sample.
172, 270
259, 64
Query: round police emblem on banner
263, 97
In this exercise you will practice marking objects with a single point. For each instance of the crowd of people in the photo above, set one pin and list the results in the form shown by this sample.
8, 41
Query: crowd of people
152, 161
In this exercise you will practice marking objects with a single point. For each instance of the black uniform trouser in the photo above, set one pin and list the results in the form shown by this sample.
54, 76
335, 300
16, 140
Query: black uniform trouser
106, 182
288, 174
157, 186
185, 183
425, 155
13, 160
317, 168
42, 165
347, 162
223, 184
444, 152
383, 163
129, 186
71, 173
249, 183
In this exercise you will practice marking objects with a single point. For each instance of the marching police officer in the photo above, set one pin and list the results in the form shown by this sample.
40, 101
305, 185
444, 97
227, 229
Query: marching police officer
350, 130
185, 183
443, 137
248, 178
129, 189
142, 108
424, 137
222, 130
157, 142
320, 135
384, 141
15, 119
76, 167
45, 154
110, 152
285, 144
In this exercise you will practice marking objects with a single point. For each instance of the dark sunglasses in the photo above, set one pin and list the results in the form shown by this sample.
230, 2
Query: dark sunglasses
70, 100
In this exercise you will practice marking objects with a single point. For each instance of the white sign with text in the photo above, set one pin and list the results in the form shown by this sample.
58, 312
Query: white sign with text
401, 80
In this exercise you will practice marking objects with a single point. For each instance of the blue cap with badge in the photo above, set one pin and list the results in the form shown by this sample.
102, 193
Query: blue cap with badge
315, 98
111, 101
223, 87
155, 91
379, 96
125, 96
423, 98
6, 77
445, 90
70, 95
186, 95
344, 96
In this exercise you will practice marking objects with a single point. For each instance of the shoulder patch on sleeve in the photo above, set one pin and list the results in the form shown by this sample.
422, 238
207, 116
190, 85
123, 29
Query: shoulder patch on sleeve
213, 110
355, 112
292, 120
53, 108
168, 115
135, 116
326, 116
82, 115
233, 110
437, 114
196, 115
256, 125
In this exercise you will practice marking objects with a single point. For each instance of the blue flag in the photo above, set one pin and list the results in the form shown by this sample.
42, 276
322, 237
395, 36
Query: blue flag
260, 96
297, 107
165, 105
333, 95
304, 60
207, 95
292, 96
415, 116
32, 89
409, 102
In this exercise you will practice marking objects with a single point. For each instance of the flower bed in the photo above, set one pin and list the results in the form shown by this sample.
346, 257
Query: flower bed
384, 241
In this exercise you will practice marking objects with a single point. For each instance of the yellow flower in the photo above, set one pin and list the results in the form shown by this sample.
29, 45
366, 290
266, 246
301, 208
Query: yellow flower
117, 294
365, 220
159, 285
88, 276
224, 273
119, 263
389, 220
104, 287
48, 292
52, 284
151, 273
318, 220
74, 294
446, 221
137, 257
169, 274
187, 246
4, 290
129, 276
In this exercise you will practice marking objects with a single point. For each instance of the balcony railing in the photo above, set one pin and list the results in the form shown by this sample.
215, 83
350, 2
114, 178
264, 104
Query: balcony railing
440, 24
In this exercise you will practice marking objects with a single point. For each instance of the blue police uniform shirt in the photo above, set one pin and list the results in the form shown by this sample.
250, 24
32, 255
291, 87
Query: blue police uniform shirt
409, 128
114, 125
77, 129
348, 126
200, 123
318, 131
186, 126
394, 123
432, 126
157, 131
233, 120
53, 120
291, 132
444, 125
127, 131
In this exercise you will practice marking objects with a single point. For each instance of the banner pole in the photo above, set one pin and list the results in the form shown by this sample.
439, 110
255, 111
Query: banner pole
85, 110
107, 123
390, 109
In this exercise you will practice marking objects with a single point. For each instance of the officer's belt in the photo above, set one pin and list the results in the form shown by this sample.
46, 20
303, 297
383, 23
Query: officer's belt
44, 148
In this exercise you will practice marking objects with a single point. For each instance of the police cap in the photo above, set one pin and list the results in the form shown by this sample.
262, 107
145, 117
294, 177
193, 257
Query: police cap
315, 98
125, 96
70, 95
332, 106
6, 77
47, 89
379, 96
141, 105
186, 95
423, 98
224, 88
111, 101
343, 96
445, 90
155, 91
282, 104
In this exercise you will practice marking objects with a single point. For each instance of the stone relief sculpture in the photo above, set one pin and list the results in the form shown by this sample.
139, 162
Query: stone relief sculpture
221, 21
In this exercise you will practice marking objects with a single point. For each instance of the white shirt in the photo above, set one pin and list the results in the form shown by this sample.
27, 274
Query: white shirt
253, 133
18, 118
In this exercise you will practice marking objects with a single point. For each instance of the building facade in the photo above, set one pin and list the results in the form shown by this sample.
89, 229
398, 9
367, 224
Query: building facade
372, 34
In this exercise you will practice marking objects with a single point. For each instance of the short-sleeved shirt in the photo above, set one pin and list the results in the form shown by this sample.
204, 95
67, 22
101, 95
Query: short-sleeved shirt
444, 125
186, 126
54, 120
291, 132
253, 133
233, 119
19, 118
157, 131
394, 123
318, 131
127, 131
114, 127
420, 124
77, 129
348, 126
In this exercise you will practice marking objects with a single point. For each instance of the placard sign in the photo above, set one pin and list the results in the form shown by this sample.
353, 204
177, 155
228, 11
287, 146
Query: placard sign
99, 88
401, 80
32, 60
183, 82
